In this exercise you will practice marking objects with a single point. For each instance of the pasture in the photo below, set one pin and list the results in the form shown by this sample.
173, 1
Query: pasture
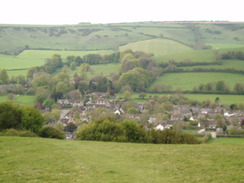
25, 159
199, 55
158, 47
224, 99
19, 64
104, 69
232, 64
20, 99
187, 81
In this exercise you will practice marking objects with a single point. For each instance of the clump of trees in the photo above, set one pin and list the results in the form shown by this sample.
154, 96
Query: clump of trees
130, 131
20, 118
231, 55
220, 87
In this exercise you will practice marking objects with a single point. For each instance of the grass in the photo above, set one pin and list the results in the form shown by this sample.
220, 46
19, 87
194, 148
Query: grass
199, 55
228, 141
158, 47
187, 81
44, 54
233, 64
29, 160
20, 99
18, 65
224, 99
104, 69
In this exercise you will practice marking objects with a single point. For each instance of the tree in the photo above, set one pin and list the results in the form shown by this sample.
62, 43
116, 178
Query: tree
48, 103
127, 95
31, 119
73, 66
42, 79
4, 79
142, 95
74, 95
221, 86
10, 116
132, 110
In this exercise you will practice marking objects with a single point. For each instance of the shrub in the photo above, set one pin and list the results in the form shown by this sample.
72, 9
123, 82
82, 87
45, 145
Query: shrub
51, 132
129, 131
206, 138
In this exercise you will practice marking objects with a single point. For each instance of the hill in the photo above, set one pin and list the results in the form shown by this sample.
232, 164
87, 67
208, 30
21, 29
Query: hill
29, 160
15, 38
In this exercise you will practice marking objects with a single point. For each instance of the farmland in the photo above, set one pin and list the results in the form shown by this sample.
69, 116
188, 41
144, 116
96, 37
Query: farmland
158, 47
187, 81
30, 58
20, 99
30, 160
25, 46
226, 100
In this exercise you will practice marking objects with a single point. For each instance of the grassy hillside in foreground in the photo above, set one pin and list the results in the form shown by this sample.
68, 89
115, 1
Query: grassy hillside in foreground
29, 160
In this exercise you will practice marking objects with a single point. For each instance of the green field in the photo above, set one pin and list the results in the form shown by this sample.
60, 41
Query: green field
29, 160
200, 55
158, 47
224, 99
20, 99
187, 81
104, 69
233, 64
19, 64
228, 141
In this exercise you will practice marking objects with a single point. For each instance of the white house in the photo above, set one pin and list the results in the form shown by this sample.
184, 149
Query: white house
159, 127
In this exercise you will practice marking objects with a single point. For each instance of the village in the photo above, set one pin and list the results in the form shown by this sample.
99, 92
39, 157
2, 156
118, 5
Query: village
201, 120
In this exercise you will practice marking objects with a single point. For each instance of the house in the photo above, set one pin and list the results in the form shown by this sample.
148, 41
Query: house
64, 102
78, 103
226, 114
201, 131
152, 119
119, 111
66, 116
177, 117
192, 119
101, 102
159, 127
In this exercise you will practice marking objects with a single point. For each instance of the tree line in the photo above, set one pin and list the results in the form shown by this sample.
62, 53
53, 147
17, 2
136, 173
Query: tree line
220, 87
130, 131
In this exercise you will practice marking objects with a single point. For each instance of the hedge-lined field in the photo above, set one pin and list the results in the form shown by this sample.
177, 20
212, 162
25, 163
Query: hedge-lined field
187, 81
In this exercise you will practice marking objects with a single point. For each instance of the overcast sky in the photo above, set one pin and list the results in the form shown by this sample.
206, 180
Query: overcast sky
113, 11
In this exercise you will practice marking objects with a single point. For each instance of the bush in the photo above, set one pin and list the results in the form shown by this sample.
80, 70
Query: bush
206, 138
21, 133
129, 131
51, 132
19, 117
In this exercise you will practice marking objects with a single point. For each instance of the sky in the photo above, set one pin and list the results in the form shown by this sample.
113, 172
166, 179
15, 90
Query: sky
116, 11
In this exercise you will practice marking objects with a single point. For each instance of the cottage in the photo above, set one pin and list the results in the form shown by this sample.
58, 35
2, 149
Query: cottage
159, 127
152, 119
119, 111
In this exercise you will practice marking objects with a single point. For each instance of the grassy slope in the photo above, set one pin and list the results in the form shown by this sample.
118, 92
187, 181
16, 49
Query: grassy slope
158, 47
187, 81
30, 160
